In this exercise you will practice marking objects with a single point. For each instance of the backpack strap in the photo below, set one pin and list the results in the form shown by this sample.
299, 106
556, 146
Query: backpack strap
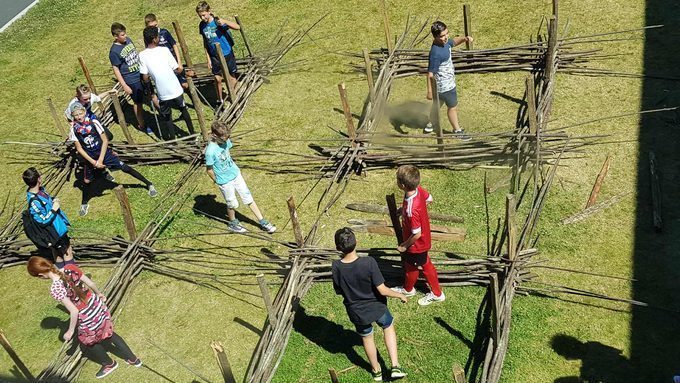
44, 205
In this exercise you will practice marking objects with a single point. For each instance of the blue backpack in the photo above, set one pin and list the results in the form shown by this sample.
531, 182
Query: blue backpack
43, 236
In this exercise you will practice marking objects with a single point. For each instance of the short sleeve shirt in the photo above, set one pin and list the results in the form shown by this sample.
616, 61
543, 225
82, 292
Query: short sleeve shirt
166, 40
60, 289
213, 34
441, 65
89, 134
415, 219
126, 58
160, 65
358, 283
218, 157
72, 104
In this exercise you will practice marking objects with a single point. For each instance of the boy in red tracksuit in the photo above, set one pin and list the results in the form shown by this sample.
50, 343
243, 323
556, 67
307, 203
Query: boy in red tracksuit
416, 236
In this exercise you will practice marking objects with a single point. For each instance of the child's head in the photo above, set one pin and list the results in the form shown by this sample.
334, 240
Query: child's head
150, 35
220, 131
78, 112
150, 20
118, 32
203, 11
39, 267
83, 94
408, 177
31, 177
345, 241
439, 31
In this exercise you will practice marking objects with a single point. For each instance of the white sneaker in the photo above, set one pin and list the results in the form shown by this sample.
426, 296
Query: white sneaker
152, 191
402, 290
84, 208
428, 128
431, 298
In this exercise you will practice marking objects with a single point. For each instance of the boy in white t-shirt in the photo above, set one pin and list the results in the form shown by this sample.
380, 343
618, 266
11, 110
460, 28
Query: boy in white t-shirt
157, 62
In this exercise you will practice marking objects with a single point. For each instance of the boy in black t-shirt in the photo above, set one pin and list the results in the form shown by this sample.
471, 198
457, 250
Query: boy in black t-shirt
362, 286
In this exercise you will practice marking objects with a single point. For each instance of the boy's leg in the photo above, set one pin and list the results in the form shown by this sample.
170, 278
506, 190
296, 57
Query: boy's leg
411, 273
165, 112
97, 353
182, 106
218, 87
371, 351
119, 343
431, 277
247, 197
452, 113
391, 344
229, 193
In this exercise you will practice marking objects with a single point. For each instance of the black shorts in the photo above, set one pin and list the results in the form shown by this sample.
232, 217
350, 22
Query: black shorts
111, 161
166, 106
231, 64
137, 95
61, 247
182, 77
415, 259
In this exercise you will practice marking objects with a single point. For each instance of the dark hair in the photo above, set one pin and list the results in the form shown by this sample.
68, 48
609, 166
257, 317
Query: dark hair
437, 28
345, 241
117, 28
150, 34
409, 177
31, 176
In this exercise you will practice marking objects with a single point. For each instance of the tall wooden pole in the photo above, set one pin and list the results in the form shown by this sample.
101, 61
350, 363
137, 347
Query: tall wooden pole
531, 104
15, 358
223, 362
243, 34
351, 130
59, 123
126, 210
182, 43
386, 26
121, 116
369, 73
198, 106
225, 74
267, 299
434, 115
467, 26
394, 217
297, 230
511, 229
334, 375
88, 77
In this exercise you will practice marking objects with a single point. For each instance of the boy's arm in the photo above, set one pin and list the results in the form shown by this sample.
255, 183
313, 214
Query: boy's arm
430, 84
105, 144
83, 153
179, 61
408, 242
227, 23
41, 214
211, 173
119, 77
461, 39
387, 292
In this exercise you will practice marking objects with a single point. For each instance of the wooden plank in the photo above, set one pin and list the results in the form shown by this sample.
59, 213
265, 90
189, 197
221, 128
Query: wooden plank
656, 193
369, 73
223, 362
243, 34
182, 43
88, 77
15, 358
458, 373
121, 117
467, 27
351, 129
375, 208
122, 197
598, 182
511, 229
394, 218
198, 107
225, 73
334, 375
267, 299
58, 122
297, 230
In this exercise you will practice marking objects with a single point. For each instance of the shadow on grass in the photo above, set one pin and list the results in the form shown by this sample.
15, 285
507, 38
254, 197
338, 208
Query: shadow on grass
209, 204
599, 362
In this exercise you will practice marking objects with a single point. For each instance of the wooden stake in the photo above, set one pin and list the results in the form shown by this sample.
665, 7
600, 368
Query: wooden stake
466, 25
243, 34
121, 117
297, 230
198, 107
225, 73
531, 105
458, 374
182, 43
369, 73
598, 182
551, 52
88, 77
127, 211
494, 300
394, 217
15, 358
555, 5
656, 193
434, 116
267, 299
511, 228
351, 130
57, 121
334, 375
223, 362
386, 27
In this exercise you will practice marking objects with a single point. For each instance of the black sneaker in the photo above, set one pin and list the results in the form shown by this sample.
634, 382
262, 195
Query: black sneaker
135, 363
109, 177
460, 134
105, 370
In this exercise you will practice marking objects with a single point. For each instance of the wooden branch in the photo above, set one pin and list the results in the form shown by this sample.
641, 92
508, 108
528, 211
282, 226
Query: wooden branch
267, 299
511, 228
458, 373
531, 105
656, 193
334, 375
494, 300
198, 107
121, 117
129, 219
297, 230
394, 217
580, 216
375, 208
225, 74
243, 34
15, 358
351, 129
452, 234
58, 123
386, 26
88, 77
598, 182
223, 362
369, 73
182, 44
467, 27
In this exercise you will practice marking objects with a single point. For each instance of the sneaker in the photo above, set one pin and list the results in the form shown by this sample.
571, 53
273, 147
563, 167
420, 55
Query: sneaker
105, 370
135, 363
377, 376
236, 227
460, 134
428, 128
402, 290
397, 373
430, 298
109, 177
267, 226
149, 131
152, 191
676, 379
84, 208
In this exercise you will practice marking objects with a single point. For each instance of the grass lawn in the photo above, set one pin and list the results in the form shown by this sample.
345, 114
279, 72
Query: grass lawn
163, 317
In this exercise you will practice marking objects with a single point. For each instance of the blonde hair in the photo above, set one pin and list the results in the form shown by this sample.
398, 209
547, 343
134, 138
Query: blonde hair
149, 18
202, 6
82, 89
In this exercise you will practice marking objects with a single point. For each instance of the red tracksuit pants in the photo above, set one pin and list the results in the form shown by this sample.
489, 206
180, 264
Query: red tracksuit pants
412, 262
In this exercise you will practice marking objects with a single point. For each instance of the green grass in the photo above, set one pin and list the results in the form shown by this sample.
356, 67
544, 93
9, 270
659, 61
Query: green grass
39, 59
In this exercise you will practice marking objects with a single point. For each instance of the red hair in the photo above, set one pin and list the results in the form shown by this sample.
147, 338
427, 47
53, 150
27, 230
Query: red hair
40, 265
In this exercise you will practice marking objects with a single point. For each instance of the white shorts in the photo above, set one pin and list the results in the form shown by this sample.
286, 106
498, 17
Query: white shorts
229, 190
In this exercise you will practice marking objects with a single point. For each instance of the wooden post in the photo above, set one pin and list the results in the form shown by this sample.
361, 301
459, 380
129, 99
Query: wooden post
57, 121
15, 358
127, 211
511, 229
182, 43
297, 230
552, 49
494, 301
386, 27
434, 116
369, 73
198, 107
531, 105
554, 8
225, 74
394, 217
334, 375
598, 182
267, 299
656, 193
121, 117
243, 34
351, 130
88, 77
466, 25
223, 362
458, 374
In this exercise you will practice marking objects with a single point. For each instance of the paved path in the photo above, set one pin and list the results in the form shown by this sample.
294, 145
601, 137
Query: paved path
9, 9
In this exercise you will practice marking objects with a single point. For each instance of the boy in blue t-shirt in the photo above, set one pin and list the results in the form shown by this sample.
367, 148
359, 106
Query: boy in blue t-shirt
215, 30
166, 40
224, 172
125, 63
440, 73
